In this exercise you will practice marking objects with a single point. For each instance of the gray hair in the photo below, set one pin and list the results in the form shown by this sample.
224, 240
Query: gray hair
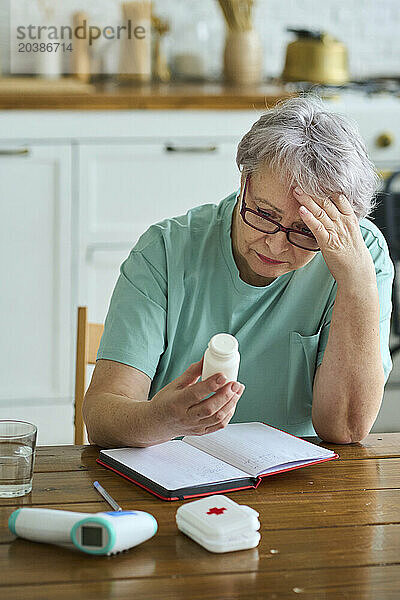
309, 146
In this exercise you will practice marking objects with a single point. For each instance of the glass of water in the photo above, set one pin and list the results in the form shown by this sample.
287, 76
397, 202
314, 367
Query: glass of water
17, 456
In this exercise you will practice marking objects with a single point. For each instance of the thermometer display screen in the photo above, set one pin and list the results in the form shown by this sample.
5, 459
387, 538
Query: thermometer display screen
92, 536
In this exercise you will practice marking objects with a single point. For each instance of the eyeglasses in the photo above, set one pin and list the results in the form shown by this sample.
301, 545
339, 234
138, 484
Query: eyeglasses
254, 219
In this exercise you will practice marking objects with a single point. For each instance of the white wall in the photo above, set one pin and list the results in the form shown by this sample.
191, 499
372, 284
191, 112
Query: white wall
370, 29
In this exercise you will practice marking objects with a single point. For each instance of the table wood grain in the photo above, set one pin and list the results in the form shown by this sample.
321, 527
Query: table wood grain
328, 531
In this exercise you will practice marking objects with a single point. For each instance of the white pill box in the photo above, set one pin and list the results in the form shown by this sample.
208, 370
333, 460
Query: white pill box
219, 524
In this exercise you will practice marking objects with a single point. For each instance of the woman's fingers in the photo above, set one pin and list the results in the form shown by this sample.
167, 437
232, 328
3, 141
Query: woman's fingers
193, 394
329, 219
221, 415
316, 227
205, 404
190, 376
323, 210
221, 425
213, 410
334, 206
322, 217
219, 420
209, 407
344, 205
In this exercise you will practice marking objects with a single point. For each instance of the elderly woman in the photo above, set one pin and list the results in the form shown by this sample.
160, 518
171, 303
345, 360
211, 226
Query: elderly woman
289, 265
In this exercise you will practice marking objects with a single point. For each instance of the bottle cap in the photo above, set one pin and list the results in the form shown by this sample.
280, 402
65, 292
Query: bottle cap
223, 344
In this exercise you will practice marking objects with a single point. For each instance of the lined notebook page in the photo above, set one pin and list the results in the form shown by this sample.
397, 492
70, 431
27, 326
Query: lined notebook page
175, 465
257, 448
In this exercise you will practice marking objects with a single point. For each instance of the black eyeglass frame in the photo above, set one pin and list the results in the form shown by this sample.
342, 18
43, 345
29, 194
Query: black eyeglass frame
279, 227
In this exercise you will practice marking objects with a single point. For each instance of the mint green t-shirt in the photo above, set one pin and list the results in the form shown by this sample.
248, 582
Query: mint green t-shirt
180, 285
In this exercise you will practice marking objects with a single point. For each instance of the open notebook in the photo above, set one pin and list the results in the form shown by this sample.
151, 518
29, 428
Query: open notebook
234, 458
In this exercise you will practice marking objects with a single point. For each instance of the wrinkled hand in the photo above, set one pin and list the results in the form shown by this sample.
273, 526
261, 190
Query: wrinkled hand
335, 226
183, 410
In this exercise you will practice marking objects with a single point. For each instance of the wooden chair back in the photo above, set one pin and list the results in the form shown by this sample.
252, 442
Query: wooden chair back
87, 343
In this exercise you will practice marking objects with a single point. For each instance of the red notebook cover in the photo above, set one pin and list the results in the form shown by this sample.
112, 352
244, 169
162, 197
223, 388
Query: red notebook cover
201, 490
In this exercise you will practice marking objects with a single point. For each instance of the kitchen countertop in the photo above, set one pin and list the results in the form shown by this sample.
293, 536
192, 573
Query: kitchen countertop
113, 96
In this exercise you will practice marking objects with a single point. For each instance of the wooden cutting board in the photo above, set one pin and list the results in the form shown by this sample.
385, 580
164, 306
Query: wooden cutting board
36, 85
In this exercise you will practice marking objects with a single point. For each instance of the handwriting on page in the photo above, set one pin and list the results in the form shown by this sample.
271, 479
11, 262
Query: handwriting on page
256, 448
176, 465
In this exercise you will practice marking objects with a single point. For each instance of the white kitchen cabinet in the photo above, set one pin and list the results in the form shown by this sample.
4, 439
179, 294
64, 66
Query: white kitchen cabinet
35, 266
124, 188
378, 121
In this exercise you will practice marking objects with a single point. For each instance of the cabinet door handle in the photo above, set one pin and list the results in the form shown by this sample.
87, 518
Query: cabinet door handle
14, 151
170, 148
385, 139
111, 246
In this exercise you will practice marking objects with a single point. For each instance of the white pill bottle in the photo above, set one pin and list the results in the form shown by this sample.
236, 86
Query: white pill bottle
222, 356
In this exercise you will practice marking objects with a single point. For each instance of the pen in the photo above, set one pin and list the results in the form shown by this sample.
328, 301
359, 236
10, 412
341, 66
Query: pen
107, 496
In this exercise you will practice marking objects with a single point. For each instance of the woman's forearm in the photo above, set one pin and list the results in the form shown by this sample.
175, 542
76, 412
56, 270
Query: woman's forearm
348, 385
114, 421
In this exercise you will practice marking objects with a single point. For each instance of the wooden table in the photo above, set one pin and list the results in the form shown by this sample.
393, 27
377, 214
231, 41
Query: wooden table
328, 531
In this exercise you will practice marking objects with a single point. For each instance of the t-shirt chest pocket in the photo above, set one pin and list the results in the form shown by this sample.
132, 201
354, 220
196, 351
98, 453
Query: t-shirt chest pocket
303, 350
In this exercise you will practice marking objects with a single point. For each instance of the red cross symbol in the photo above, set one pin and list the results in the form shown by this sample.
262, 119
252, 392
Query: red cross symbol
216, 511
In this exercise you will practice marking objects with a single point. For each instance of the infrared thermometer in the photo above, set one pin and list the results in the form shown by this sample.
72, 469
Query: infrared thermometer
96, 533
